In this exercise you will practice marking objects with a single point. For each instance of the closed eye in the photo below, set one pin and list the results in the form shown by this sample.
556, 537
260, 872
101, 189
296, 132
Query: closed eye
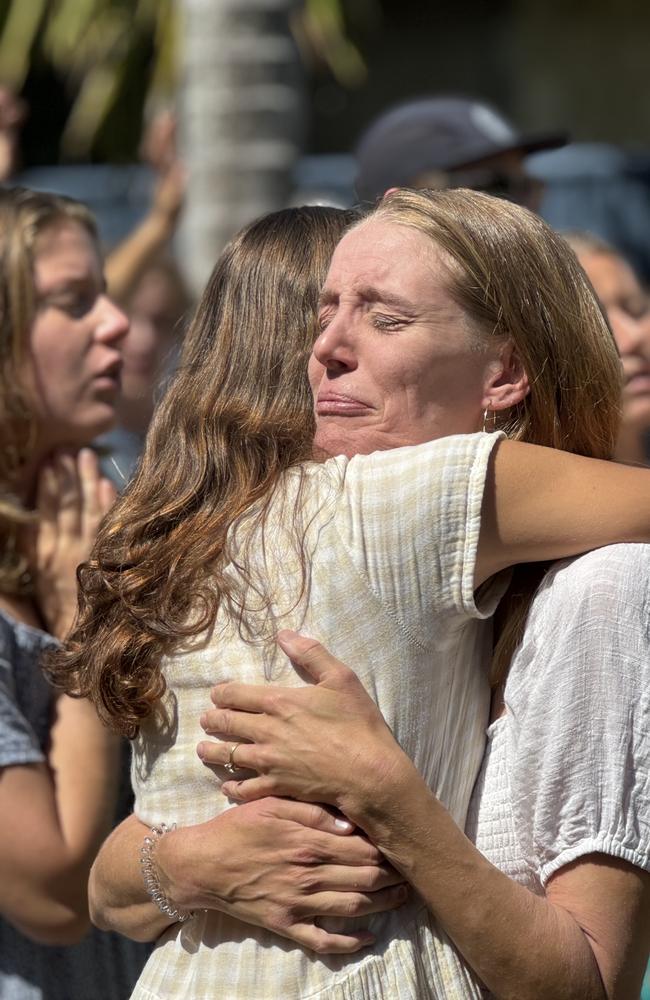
383, 322
325, 317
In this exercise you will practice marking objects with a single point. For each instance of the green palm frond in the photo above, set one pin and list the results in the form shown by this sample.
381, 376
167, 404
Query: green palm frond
112, 51
98, 47
18, 37
323, 23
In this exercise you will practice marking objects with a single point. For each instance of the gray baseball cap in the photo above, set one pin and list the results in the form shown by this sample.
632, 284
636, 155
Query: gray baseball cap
443, 134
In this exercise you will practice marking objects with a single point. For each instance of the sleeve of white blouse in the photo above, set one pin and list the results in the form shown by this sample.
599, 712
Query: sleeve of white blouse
579, 698
410, 519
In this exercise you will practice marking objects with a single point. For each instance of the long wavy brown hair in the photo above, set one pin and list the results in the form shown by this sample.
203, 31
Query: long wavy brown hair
24, 215
237, 414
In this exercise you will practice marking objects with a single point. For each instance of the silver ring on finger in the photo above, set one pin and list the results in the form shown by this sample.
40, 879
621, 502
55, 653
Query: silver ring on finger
231, 767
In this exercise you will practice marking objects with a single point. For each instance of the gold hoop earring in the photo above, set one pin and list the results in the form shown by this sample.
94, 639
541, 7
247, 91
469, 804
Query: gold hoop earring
485, 419
485, 413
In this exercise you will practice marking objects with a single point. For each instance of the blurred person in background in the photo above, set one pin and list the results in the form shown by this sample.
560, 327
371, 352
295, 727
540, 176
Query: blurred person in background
156, 308
448, 141
143, 277
627, 306
60, 353
13, 112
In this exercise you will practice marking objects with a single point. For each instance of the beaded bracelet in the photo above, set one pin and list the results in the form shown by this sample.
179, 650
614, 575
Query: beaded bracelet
151, 877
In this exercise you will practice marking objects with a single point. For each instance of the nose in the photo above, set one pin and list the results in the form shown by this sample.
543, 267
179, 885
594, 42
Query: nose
334, 348
112, 324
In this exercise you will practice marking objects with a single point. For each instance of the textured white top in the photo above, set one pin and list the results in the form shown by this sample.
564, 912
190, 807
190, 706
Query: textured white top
567, 768
392, 540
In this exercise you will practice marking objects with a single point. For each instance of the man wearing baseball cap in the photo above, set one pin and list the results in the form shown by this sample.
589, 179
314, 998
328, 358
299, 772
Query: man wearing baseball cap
439, 142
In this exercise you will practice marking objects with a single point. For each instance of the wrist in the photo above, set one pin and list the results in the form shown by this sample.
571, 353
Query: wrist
179, 861
171, 861
377, 803
156, 884
161, 222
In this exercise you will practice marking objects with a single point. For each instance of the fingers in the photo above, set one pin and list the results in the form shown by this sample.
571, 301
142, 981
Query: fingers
319, 848
305, 653
47, 506
242, 756
69, 495
355, 904
88, 470
318, 817
234, 725
251, 789
323, 943
253, 698
313, 658
350, 878
97, 493
107, 495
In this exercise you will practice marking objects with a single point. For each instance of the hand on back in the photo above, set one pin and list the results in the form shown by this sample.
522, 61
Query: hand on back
324, 742
281, 865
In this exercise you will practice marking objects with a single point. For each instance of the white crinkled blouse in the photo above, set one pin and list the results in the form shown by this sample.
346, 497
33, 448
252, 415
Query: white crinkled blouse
391, 539
566, 772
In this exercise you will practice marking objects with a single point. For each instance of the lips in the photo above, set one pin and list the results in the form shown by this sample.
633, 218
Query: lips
638, 383
339, 405
109, 375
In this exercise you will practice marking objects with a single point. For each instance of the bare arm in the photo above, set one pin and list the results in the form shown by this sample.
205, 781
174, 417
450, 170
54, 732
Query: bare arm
127, 262
55, 814
273, 863
54, 818
587, 939
543, 504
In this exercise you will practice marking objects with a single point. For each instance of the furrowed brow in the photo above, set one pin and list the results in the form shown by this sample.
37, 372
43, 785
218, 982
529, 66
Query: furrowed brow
327, 298
372, 294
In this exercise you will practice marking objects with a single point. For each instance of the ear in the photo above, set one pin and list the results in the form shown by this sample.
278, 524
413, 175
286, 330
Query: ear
507, 382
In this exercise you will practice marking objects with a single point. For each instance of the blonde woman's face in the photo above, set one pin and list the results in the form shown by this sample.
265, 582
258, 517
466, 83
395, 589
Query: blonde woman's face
75, 340
628, 311
396, 362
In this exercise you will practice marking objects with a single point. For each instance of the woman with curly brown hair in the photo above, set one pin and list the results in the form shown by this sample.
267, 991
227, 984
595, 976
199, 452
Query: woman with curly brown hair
436, 318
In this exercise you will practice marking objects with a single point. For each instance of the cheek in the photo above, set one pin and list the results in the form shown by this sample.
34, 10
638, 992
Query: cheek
450, 380
314, 373
57, 358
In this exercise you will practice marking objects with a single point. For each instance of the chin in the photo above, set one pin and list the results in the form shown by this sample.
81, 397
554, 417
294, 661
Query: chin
91, 425
332, 441
636, 414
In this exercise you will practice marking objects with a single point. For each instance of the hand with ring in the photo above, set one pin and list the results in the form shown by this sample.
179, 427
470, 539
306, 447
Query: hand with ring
231, 767
323, 742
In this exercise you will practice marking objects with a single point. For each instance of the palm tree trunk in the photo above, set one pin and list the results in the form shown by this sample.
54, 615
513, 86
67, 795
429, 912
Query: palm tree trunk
242, 119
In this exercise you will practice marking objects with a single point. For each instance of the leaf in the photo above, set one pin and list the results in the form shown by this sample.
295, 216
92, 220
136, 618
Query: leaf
66, 26
323, 24
91, 106
20, 30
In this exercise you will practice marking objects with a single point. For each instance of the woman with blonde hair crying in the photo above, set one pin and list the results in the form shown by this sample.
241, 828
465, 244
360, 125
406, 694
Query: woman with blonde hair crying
438, 314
